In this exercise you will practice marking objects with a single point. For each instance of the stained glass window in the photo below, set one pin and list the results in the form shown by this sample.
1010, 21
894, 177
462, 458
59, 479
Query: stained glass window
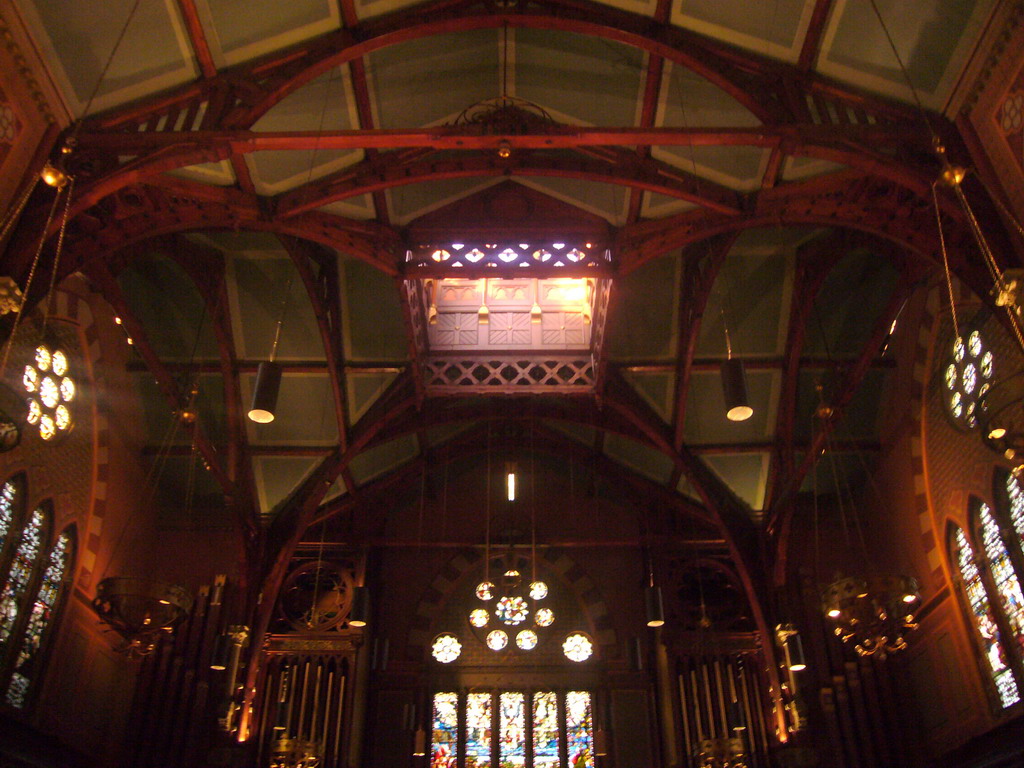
512, 733
1005, 578
968, 376
1015, 495
546, 733
12, 596
992, 644
579, 729
8, 494
25, 664
478, 730
445, 731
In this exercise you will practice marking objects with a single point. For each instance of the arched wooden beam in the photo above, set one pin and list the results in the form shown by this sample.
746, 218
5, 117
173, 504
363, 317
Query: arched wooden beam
756, 82
388, 170
779, 518
814, 261
856, 146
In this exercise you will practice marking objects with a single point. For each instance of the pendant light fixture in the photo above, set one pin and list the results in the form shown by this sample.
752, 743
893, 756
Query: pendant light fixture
360, 613
653, 604
268, 375
734, 382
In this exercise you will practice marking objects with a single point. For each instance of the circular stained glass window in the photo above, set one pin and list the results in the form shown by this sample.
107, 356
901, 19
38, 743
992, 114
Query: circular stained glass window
967, 378
526, 640
538, 590
544, 617
512, 610
497, 640
485, 590
479, 617
50, 391
577, 647
446, 648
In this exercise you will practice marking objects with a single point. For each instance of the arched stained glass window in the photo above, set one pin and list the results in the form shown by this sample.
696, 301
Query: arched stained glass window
1015, 499
8, 496
579, 729
445, 731
981, 610
1001, 568
14, 590
26, 662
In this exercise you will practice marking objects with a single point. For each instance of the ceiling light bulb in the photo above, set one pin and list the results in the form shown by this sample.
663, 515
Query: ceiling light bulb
504, 149
997, 433
53, 176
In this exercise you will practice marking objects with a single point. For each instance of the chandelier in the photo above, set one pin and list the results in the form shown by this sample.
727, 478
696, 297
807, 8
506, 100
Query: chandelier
140, 611
872, 613
294, 753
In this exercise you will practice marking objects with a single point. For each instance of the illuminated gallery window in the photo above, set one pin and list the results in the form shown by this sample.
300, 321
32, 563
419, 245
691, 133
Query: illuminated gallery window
33, 577
544, 729
967, 377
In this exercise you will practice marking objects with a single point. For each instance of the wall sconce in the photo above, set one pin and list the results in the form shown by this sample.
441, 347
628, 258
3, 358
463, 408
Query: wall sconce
360, 612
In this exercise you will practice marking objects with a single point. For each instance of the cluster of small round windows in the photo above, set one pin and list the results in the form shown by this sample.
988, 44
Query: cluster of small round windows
51, 390
968, 377
447, 648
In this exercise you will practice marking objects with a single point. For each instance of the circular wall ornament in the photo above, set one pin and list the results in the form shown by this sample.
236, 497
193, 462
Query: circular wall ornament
577, 647
51, 390
446, 648
967, 377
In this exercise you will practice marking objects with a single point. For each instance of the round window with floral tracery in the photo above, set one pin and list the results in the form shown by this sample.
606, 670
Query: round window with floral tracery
967, 377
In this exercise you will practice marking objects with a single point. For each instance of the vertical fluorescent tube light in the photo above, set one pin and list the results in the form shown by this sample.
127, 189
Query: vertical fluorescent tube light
268, 376
510, 481
734, 383
360, 612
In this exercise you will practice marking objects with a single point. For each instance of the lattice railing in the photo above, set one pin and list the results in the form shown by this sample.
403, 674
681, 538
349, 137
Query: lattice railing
494, 373
557, 255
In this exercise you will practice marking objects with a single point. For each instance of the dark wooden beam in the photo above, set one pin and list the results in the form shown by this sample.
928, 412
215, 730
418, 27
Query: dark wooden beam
197, 36
815, 31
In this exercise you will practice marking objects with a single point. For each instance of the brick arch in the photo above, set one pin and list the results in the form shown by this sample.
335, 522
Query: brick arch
588, 597
69, 306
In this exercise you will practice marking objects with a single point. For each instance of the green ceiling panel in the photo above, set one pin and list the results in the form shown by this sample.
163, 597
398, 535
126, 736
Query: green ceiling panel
410, 201
605, 200
586, 79
745, 473
383, 458
278, 171
775, 22
642, 317
305, 412
581, 433
322, 104
738, 168
849, 304
424, 81
363, 389
691, 100
860, 419
373, 320
241, 24
260, 299
750, 290
647, 461
658, 389
278, 476
929, 31
705, 410
337, 489
164, 299
442, 434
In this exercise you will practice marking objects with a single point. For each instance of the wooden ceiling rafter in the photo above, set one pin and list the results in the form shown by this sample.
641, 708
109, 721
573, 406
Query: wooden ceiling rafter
207, 269
323, 290
779, 517
700, 270
105, 281
377, 174
814, 261
197, 38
